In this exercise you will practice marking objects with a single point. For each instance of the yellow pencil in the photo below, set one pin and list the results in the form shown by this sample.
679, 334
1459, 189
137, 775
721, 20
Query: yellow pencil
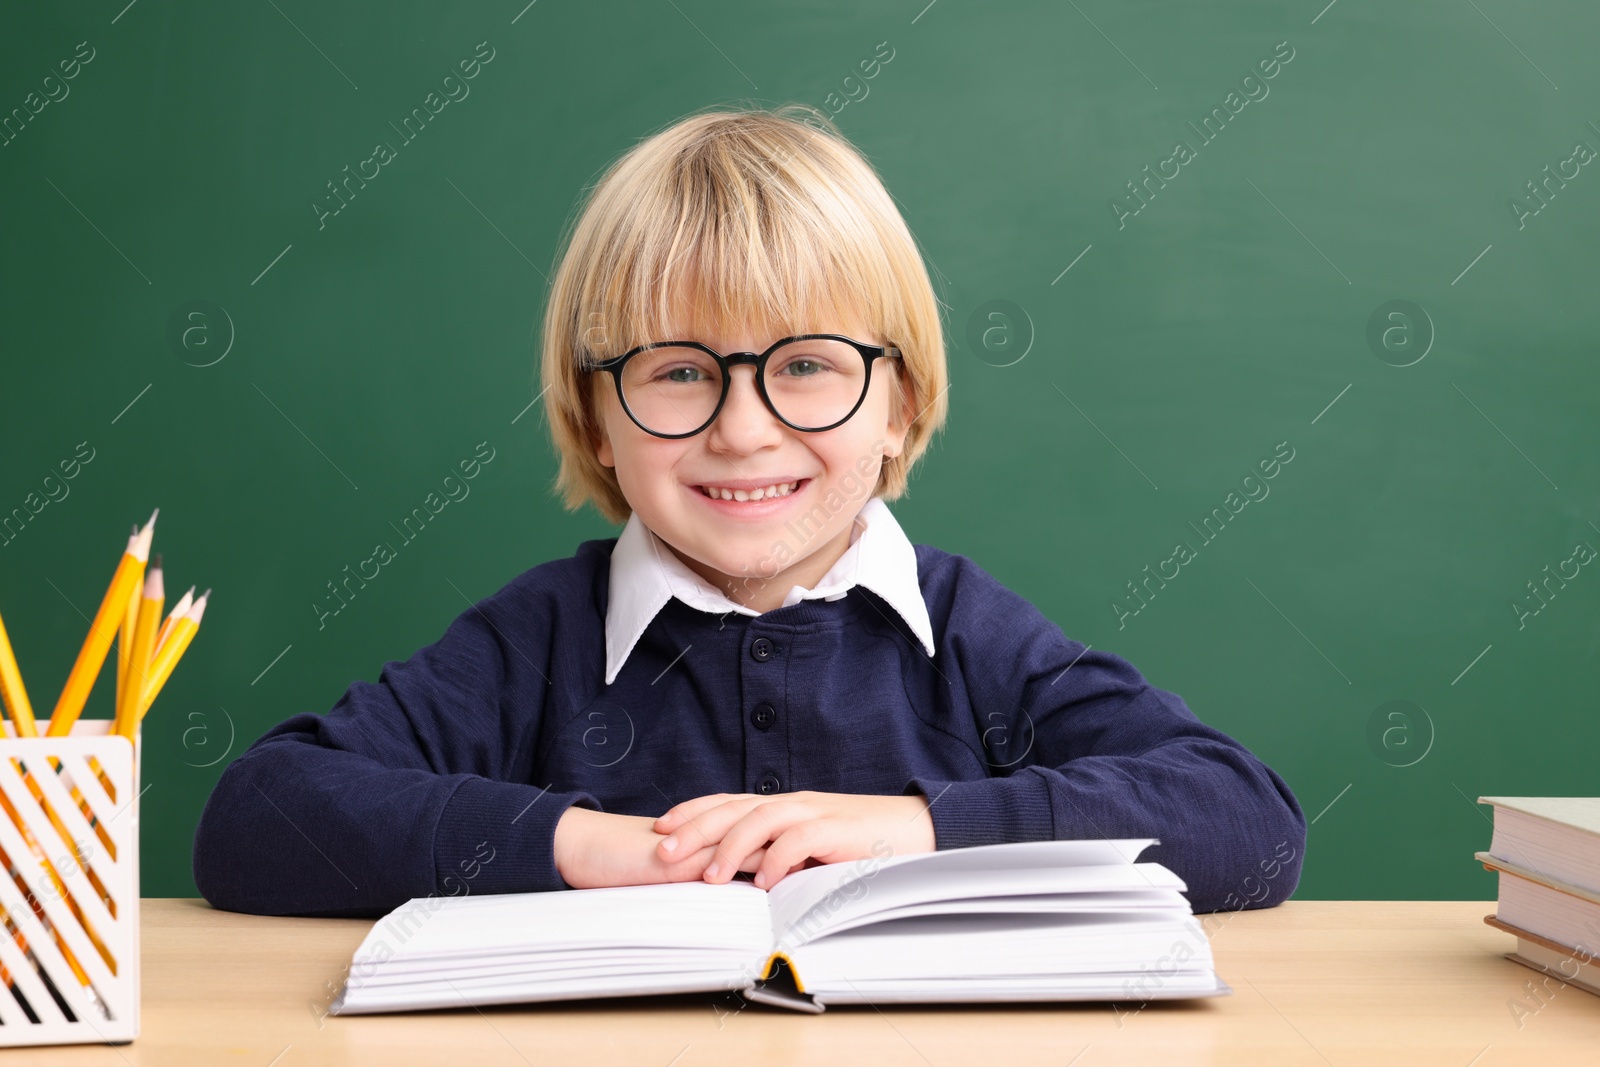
127, 625
144, 641
166, 658
130, 618
179, 610
92, 655
12, 691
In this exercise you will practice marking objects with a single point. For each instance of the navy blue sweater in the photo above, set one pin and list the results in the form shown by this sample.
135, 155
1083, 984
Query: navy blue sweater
449, 773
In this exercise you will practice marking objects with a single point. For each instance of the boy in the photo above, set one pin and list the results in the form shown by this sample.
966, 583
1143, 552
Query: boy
742, 359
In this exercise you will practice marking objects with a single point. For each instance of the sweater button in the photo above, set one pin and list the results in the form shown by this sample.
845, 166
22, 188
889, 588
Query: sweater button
761, 649
768, 784
764, 716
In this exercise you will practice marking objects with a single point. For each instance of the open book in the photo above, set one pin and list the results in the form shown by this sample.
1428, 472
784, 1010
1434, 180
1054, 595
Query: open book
1037, 920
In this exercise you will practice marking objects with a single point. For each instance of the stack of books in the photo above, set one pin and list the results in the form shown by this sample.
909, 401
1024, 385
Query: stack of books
1037, 920
1547, 853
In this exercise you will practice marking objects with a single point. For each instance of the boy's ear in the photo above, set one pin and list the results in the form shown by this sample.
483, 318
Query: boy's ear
899, 421
601, 440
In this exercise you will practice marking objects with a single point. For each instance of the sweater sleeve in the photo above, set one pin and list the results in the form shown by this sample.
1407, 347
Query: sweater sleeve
1079, 745
411, 786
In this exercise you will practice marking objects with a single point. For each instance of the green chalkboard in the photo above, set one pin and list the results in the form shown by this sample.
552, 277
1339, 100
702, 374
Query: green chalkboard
1179, 246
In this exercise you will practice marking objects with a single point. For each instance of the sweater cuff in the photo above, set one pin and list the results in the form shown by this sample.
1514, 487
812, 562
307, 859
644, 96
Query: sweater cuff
991, 811
499, 837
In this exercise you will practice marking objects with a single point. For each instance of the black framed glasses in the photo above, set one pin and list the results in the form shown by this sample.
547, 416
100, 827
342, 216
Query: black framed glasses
812, 382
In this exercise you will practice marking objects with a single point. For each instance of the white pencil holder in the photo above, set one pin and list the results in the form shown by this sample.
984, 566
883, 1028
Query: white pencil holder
69, 939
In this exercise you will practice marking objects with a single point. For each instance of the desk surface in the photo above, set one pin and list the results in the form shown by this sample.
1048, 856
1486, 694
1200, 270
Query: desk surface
1325, 983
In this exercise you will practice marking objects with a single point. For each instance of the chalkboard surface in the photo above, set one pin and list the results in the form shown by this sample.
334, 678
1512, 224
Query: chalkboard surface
1180, 246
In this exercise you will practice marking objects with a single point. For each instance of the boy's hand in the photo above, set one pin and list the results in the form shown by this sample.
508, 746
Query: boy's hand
736, 829
595, 849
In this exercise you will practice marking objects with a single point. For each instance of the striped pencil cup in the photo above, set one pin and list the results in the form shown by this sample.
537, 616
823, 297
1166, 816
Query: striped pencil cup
69, 895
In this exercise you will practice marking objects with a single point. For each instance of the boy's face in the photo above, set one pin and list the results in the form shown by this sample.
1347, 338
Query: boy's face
754, 551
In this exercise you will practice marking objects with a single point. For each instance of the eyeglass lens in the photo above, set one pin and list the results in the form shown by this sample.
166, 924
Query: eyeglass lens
812, 384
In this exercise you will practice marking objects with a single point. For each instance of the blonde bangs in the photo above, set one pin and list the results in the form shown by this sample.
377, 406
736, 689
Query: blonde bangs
724, 221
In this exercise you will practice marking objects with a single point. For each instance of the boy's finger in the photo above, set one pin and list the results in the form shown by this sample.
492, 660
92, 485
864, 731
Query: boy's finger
686, 809
678, 814
709, 826
797, 867
690, 868
762, 824
790, 851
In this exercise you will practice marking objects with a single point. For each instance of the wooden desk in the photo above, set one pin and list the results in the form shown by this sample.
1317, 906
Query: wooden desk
1316, 983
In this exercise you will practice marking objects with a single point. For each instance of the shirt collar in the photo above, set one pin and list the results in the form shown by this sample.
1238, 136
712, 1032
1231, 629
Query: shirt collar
645, 574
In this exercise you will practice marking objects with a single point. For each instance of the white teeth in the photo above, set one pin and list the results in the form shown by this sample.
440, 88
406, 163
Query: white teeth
764, 493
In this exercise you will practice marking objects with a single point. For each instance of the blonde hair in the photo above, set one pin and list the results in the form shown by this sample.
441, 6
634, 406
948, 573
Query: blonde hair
769, 219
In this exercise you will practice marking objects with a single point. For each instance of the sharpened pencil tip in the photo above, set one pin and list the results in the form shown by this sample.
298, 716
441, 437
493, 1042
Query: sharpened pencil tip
142, 541
197, 612
153, 515
156, 563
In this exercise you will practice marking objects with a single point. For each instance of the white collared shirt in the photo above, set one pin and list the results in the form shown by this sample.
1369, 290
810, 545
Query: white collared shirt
645, 574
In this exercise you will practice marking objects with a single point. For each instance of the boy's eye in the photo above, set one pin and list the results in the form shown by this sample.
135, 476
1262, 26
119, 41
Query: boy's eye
805, 368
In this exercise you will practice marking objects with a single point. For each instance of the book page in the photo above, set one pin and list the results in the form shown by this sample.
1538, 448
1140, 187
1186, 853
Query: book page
441, 952
1581, 813
1167, 901
1550, 847
1017, 946
577, 923
805, 903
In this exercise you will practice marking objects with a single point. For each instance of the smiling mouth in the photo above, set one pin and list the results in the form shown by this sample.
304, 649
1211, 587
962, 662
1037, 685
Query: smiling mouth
767, 492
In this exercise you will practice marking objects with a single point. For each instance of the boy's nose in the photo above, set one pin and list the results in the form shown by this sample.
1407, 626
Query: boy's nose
744, 422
